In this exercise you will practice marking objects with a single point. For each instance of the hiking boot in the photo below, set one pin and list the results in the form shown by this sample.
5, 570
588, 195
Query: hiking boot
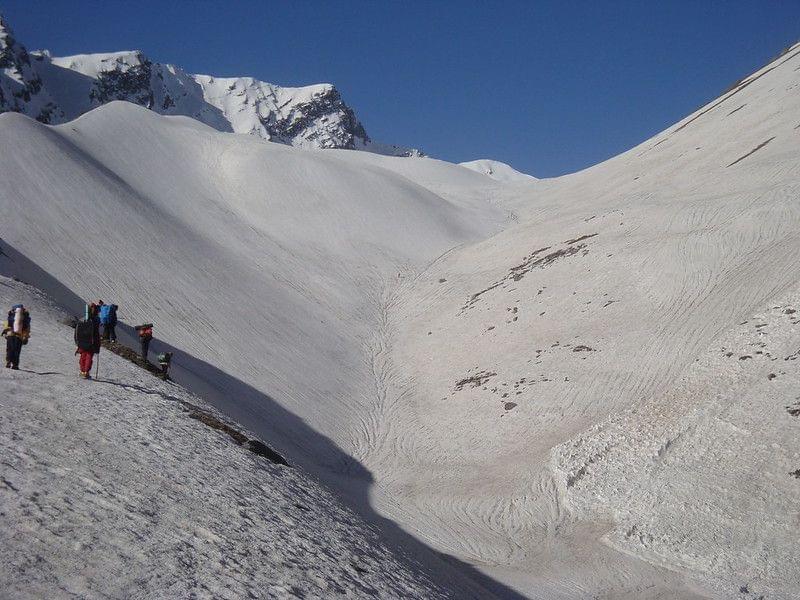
85, 374
8, 365
15, 367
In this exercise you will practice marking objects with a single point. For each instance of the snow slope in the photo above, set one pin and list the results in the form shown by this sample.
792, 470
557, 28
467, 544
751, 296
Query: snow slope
109, 488
184, 224
263, 266
594, 401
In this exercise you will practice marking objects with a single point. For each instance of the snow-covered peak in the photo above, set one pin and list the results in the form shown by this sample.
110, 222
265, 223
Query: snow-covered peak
496, 170
313, 116
93, 64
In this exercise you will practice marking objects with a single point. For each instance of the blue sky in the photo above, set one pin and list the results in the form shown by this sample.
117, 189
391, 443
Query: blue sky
548, 87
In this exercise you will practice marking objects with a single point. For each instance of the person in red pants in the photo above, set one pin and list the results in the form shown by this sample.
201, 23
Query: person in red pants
87, 340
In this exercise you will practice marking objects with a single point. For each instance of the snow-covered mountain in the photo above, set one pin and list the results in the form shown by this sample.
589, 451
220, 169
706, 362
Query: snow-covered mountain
576, 387
58, 89
497, 170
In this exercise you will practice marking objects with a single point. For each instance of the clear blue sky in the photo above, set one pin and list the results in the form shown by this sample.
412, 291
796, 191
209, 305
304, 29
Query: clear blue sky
549, 87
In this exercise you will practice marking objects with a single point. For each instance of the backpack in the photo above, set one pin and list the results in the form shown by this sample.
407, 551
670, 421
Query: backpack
105, 314
26, 318
144, 331
84, 335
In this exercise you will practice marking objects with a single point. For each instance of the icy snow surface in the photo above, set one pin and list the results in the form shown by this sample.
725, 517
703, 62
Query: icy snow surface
553, 403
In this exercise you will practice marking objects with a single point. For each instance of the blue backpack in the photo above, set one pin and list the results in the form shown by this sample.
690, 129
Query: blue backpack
108, 314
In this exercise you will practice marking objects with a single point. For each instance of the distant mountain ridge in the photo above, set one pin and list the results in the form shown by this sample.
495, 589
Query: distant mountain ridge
54, 90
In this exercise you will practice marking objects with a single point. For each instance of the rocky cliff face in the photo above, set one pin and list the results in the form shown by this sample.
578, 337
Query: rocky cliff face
21, 87
58, 89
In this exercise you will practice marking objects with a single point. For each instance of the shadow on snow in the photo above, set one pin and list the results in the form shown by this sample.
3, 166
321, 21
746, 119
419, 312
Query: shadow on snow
343, 475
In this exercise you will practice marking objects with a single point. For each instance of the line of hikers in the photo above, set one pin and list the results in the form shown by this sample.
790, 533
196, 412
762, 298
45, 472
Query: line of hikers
88, 336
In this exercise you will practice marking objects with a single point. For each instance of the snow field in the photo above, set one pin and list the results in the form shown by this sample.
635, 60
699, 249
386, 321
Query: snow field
614, 282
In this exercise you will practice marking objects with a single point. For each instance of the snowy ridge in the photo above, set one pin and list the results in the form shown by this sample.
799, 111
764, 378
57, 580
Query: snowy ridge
497, 170
58, 89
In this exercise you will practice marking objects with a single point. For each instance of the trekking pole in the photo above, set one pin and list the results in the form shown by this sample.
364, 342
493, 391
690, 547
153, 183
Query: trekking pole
97, 367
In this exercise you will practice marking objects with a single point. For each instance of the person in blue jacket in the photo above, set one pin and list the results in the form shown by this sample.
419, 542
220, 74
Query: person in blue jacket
108, 319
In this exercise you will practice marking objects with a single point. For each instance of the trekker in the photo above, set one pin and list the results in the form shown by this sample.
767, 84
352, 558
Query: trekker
108, 319
145, 335
87, 339
164, 361
17, 330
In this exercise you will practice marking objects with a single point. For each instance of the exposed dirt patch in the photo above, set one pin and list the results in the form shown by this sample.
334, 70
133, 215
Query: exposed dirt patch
580, 239
794, 356
476, 380
534, 260
255, 446
132, 356
195, 412
733, 90
756, 149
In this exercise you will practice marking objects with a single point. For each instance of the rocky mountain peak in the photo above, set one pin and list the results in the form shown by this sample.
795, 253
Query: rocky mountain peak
58, 89
21, 87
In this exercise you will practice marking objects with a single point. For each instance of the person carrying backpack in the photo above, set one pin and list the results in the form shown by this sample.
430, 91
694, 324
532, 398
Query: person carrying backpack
108, 319
145, 335
17, 330
87, 339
